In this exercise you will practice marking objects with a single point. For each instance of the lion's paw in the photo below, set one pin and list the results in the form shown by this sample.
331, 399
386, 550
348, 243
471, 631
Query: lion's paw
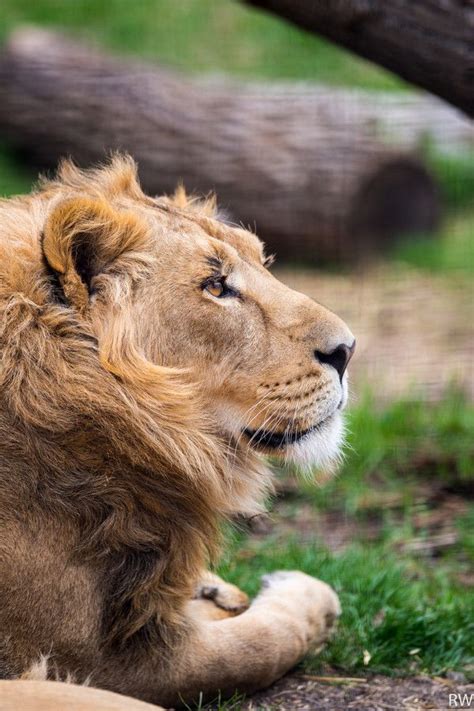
226, 596
309, 597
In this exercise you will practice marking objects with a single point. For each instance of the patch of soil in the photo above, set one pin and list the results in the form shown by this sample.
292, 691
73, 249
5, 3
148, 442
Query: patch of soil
433, 520
307, 693
333, 527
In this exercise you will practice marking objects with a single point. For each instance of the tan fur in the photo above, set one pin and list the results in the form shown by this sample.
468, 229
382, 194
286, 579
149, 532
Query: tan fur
126, 387
50, 696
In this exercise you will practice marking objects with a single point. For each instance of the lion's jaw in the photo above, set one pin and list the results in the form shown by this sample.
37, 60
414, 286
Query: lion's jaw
319, 446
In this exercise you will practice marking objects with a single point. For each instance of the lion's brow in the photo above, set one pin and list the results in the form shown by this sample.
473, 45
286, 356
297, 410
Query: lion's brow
214, 262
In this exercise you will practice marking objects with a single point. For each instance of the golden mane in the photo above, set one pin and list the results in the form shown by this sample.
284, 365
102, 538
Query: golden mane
94, 431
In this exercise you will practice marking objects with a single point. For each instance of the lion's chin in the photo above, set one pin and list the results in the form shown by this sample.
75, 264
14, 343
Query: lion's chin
318, 447
321, 447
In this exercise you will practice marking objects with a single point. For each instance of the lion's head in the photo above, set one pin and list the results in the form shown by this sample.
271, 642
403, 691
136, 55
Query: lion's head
189, 291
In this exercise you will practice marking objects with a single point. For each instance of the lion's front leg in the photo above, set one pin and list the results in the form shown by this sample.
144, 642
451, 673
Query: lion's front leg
215, 599
293, 614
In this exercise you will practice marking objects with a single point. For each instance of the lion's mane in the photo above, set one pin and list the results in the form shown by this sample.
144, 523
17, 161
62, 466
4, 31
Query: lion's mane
96, 436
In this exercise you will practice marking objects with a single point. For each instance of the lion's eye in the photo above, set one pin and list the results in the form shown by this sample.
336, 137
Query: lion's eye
216, 287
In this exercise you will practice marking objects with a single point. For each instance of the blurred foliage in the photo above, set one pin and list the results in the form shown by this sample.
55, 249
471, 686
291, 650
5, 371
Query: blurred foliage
391, 449
452, 249
450, 252
455, 174
202, 35
226, 36
15, 178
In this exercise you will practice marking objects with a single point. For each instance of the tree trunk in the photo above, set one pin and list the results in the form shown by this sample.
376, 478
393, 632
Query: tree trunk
314, 186
429, 43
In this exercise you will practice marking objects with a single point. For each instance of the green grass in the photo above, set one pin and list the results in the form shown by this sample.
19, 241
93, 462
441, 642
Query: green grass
450, 252
410, 612
217, 704
390, 606
394, 450
455, 175
202, 35
15, 179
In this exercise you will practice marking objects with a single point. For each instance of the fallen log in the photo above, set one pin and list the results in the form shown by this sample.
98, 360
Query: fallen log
315, 186
428, 42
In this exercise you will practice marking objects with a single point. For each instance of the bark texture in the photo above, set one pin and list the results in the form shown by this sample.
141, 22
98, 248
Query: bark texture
429, 43
315, 181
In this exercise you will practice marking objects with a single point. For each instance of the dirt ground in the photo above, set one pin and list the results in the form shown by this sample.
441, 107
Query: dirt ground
434, 528
415, 332
378, 693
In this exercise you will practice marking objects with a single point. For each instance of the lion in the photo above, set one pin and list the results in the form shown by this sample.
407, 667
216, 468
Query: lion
149, 363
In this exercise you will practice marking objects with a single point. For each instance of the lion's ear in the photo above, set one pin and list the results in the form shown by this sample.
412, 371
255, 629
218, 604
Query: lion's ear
81, 237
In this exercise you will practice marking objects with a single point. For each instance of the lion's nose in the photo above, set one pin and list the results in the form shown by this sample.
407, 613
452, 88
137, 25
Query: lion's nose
338, 358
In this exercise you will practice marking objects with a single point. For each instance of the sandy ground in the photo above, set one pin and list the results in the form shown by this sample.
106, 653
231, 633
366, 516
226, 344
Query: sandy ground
415, 332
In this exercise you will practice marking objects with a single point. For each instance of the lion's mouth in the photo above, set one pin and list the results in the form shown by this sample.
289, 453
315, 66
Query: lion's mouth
266, 439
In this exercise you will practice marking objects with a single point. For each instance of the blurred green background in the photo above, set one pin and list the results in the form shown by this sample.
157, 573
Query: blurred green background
200, 36
225, 37
404, 567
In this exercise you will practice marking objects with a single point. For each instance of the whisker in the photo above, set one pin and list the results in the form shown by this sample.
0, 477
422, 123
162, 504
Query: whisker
266, 405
